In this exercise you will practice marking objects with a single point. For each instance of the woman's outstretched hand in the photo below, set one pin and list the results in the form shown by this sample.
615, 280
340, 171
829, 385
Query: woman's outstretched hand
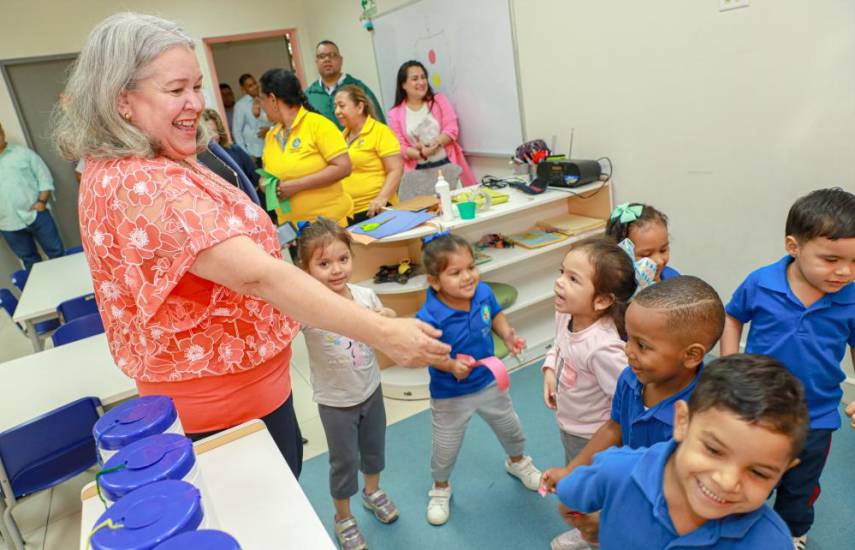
411, 343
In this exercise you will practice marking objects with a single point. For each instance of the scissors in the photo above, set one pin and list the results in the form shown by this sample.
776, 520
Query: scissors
371, 226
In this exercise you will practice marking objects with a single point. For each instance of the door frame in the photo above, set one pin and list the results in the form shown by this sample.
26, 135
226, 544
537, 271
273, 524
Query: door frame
289, 34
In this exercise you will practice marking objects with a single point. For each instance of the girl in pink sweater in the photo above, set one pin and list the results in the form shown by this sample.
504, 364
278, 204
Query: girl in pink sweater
581, 370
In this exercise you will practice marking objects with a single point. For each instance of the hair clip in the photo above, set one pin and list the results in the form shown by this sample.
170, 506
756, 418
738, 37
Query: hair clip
429, 238
300, 227
627, 212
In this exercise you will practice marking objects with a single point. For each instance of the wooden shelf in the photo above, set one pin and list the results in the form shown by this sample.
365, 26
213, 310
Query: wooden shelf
502, 257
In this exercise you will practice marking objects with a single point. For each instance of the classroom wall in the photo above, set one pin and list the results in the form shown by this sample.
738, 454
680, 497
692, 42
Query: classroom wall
720, 119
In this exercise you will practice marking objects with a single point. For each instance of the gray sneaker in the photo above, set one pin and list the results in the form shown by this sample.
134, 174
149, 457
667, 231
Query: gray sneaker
348, 534
382, 506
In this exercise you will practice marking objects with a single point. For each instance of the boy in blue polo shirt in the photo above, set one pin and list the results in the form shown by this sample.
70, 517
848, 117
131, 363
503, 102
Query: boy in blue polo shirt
670, 328
466, 311
802, 313
742, 429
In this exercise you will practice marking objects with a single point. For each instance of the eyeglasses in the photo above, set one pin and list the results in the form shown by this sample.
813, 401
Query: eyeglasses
322, 56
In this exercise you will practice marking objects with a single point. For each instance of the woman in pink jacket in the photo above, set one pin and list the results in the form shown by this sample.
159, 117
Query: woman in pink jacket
425, 123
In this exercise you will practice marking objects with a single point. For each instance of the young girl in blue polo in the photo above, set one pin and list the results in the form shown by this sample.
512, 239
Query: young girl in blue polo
643, 232
467, 312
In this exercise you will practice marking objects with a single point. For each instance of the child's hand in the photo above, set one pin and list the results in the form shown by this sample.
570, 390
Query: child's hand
552, 476
514, 343
549, 384
850, 411
460, 370
386, 312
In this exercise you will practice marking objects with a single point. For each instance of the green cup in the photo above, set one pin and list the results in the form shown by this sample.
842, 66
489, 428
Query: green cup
467, 210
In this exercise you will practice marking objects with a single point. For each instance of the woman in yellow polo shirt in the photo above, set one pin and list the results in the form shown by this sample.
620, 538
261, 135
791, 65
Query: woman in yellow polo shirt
305, 151
374, 151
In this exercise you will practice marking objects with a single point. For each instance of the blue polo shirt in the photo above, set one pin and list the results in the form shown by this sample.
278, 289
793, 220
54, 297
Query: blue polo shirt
810, 342
466, 332
668, 273
642, 427
634, 512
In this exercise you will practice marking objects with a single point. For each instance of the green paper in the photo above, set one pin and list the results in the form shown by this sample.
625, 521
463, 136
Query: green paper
272, 202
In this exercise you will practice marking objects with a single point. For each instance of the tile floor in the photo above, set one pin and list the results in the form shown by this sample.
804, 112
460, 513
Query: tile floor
51, 520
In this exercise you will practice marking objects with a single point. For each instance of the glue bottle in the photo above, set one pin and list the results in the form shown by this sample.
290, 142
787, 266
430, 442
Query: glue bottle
443, 193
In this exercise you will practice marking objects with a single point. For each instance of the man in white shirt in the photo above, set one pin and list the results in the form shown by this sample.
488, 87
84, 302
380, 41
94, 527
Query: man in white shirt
250, 124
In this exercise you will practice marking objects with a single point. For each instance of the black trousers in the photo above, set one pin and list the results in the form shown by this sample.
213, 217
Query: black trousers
799, 488
283, 427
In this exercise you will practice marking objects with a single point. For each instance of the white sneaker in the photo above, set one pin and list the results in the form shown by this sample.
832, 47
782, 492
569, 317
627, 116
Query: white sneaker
569, 540
437, 511
800, 543
525, 471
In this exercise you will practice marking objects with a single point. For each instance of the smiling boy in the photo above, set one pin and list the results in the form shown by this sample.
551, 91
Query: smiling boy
741, 430
802, 313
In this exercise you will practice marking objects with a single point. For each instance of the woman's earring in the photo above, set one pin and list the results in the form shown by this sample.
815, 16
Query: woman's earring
126, 116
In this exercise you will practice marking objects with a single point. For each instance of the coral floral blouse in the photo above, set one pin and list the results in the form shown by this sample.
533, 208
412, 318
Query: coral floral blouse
221, 355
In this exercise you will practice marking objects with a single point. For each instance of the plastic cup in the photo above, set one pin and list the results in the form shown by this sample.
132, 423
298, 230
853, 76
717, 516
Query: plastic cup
467, 210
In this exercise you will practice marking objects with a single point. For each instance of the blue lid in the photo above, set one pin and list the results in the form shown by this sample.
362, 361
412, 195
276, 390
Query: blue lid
149, 516
209, 539
155, 458
133, 420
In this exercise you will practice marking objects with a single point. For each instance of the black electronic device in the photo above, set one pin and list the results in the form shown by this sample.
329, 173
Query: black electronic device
568, 173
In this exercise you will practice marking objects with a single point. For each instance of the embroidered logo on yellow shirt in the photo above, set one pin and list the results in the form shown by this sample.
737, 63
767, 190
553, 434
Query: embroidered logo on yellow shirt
296, 143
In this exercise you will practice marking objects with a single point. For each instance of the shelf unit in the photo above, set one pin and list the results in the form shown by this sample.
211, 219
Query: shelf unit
531, 271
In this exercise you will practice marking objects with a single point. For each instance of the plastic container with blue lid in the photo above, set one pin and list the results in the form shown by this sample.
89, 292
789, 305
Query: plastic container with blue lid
134, 420
209, 539
154, 458
149, 516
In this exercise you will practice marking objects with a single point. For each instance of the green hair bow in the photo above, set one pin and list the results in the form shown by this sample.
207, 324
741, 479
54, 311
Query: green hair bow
272, 202
627, 212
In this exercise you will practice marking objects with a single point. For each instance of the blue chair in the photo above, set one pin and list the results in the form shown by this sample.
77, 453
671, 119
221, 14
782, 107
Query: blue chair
10, 304
19, 279
78, 329
44, 452
70, 310
73, 250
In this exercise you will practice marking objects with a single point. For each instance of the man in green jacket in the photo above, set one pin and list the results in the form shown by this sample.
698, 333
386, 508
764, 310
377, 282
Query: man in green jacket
321, 93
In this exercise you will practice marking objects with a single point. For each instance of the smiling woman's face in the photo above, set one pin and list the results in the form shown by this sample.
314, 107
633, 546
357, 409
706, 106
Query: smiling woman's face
167, 104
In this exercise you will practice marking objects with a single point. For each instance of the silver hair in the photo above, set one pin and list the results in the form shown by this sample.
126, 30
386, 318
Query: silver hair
86, 121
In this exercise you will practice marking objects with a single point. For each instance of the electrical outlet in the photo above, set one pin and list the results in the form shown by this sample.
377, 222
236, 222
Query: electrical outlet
726, 5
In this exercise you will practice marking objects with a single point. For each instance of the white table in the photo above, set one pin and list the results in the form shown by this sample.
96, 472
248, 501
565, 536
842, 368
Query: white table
50, 283
38, 383
256, 497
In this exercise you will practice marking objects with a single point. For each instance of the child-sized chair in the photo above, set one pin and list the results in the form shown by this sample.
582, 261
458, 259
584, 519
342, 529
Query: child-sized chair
78, 329
44, 452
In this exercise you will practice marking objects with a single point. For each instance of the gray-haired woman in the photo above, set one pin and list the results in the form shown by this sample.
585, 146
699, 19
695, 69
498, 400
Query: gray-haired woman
196, 301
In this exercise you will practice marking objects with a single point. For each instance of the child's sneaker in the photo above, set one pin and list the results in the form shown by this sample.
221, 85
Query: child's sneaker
569, 540
379, 503
348, 534
525, 471
800, 543
437, 511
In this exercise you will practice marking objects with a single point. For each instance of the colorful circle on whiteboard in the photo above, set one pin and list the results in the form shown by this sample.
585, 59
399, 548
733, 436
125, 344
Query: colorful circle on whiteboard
437, 81
432, 57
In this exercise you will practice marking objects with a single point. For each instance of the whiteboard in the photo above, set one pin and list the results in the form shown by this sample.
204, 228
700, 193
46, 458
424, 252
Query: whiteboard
467, 47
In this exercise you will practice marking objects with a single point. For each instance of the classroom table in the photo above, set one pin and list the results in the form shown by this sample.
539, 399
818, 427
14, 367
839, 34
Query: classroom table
50, 283
255, 496
40, 382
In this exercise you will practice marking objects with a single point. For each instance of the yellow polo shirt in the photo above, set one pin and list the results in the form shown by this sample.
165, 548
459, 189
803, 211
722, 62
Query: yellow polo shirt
375, 142
311, 144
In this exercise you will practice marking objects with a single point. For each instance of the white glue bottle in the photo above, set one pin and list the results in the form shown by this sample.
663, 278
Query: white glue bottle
443, 193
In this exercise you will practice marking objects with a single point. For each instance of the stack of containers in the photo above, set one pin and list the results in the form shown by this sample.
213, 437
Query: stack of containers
149, 516
150, 479
134, 420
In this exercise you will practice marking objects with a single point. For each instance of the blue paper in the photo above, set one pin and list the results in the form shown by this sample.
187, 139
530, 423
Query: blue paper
393, 222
